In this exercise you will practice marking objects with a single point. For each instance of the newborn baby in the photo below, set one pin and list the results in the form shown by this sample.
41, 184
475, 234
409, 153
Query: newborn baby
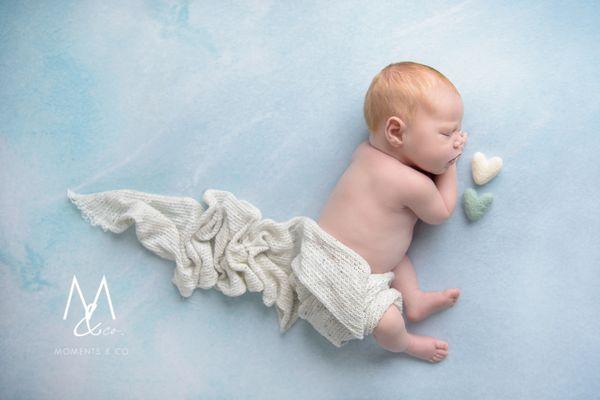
405, 171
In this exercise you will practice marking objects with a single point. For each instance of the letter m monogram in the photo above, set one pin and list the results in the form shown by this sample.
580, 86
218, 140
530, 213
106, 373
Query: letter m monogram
89, 308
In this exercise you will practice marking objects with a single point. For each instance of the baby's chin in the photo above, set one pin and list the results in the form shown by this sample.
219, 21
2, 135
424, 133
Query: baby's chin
440, 171
431, 171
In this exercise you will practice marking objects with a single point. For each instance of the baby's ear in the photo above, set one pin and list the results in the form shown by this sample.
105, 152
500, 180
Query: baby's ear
395, 131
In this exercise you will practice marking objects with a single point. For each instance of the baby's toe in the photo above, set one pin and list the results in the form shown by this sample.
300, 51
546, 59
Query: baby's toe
453, 295
441, 345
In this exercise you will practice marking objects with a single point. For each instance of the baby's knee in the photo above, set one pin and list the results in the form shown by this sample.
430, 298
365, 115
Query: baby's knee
390, 332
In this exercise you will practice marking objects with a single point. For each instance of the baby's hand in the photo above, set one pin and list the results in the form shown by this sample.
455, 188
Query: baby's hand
461, 142
464, 135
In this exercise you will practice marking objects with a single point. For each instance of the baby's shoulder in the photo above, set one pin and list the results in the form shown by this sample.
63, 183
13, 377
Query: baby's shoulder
402, 182
383, 165
399, 176
387, 177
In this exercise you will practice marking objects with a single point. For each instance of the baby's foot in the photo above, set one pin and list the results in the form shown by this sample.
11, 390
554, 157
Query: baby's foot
426, 348
431, 302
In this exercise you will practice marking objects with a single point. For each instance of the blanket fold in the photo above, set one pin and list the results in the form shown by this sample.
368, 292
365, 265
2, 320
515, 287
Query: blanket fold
300, 268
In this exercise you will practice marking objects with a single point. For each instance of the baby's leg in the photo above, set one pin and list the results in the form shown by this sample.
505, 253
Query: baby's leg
390, 333
418, 305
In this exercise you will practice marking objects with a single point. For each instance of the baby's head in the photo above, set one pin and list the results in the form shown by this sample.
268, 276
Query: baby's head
414, 113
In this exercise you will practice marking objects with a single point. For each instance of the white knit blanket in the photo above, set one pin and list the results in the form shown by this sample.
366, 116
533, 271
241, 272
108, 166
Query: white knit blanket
299, 267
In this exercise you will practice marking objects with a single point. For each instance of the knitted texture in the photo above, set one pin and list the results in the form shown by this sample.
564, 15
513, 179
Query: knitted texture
297, 266
476, 206
484, 169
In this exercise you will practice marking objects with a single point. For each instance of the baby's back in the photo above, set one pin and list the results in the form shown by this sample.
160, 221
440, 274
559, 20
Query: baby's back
363, 212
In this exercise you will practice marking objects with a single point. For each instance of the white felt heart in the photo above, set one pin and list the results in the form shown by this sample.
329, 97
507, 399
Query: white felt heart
485, 170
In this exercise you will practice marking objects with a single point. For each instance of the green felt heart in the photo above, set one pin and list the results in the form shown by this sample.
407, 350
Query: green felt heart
475, 206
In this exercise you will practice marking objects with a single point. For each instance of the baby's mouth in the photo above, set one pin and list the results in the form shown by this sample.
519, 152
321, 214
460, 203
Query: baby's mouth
454, 159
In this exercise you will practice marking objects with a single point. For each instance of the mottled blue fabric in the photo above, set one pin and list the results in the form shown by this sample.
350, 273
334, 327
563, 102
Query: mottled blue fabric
264, 99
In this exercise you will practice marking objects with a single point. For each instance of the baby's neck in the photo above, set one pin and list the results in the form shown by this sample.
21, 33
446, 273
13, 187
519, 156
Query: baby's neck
383, 147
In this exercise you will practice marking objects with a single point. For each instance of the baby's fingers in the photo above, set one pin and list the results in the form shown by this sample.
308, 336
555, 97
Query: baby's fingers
465, 136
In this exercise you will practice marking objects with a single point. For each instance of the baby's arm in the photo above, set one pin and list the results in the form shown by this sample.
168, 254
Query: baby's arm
446, 184
431, 200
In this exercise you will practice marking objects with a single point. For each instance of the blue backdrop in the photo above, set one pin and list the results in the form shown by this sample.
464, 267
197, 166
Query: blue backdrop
264, 99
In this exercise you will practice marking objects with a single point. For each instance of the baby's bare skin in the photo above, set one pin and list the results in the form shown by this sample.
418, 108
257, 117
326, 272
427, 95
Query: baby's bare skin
365, 215
373, 210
